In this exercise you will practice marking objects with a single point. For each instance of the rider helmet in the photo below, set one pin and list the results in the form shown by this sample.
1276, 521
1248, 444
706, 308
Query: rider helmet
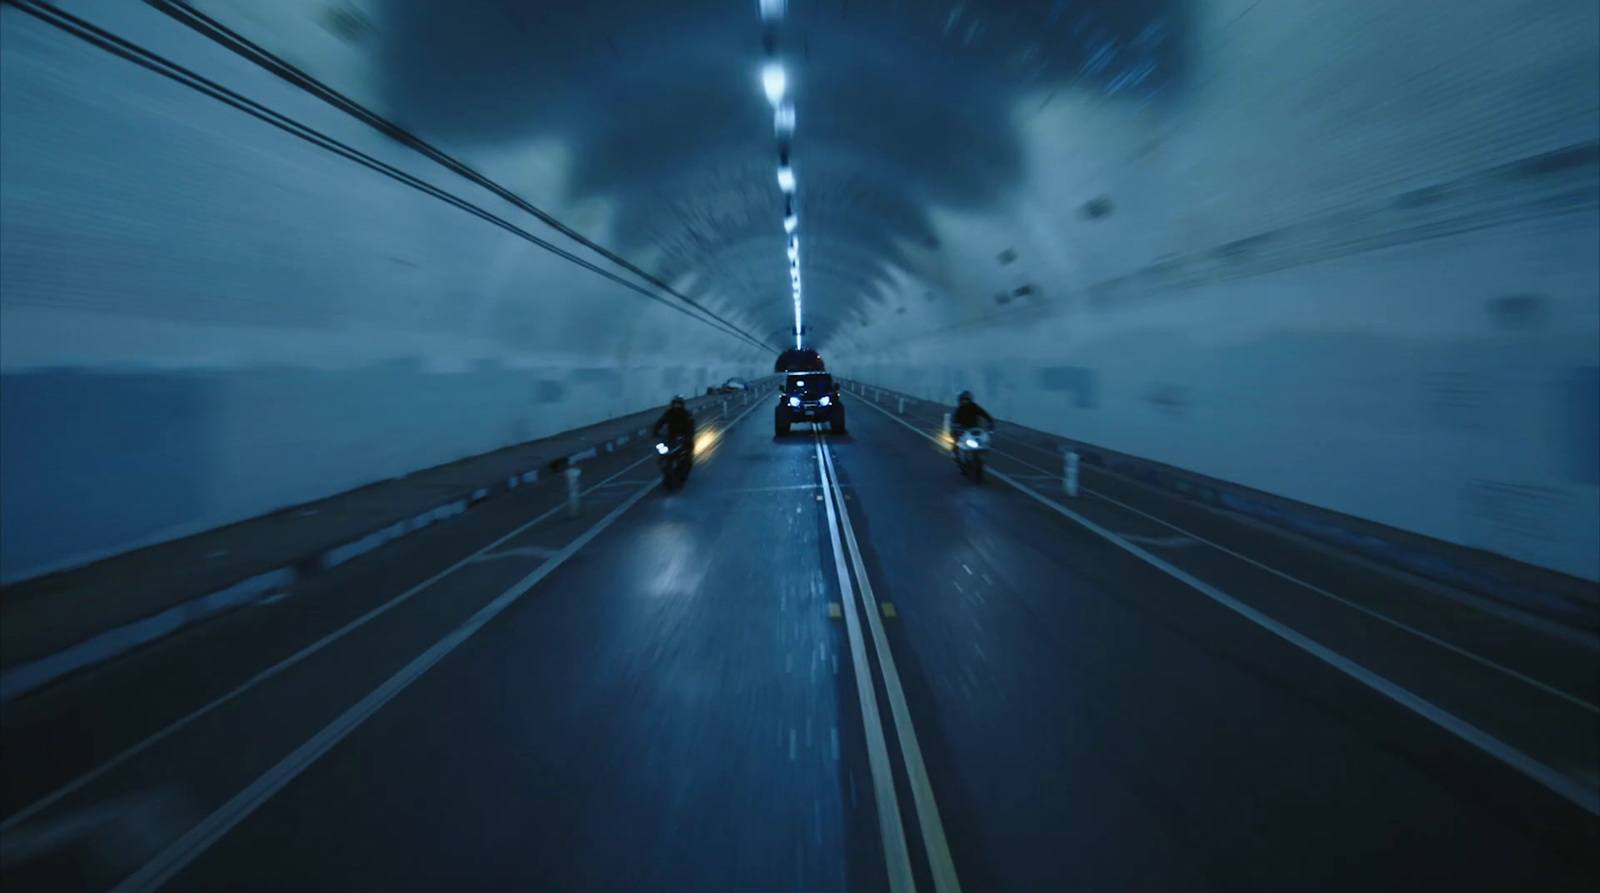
966, 397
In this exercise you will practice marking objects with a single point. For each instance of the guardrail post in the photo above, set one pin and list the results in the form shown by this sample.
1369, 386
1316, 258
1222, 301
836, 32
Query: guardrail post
1069, 472
947, 424
902, 406
572, 474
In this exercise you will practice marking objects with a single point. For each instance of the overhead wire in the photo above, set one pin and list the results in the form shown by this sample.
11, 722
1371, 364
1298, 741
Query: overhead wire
165, 67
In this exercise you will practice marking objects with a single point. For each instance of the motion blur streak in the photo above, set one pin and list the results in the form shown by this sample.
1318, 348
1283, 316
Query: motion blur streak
309, 305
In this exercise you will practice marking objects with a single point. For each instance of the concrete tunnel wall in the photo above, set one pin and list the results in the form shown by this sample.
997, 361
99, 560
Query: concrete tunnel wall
1347, 257
1365, 276
203, 319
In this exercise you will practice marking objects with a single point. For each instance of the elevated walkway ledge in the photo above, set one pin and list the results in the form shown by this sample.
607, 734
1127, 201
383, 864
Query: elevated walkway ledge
1555, 596
59, 623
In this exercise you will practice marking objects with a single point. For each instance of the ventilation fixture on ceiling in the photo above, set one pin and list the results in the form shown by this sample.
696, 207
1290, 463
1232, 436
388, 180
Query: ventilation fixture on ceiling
1517, 311
1097, 208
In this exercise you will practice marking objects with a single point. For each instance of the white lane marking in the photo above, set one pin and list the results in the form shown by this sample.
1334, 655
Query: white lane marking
1516, 759
272, 671
941, 864
896, 855
108, 831
276, 669
538, 552
1485, 604
209, 830
967, 569
1579, 637
1473, 656
1561, 784
626, 483
1576, 637
1163, 541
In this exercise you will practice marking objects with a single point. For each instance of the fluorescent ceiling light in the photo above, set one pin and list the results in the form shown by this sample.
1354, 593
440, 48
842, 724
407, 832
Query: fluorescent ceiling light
783, 118
786, 178
774, 82
790, 222
772, 9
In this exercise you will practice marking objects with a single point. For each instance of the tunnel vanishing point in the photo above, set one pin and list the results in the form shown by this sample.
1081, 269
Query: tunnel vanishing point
332, 548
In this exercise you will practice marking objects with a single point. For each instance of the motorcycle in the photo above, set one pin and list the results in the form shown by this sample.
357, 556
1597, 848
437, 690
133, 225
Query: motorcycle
674, 457
971, 445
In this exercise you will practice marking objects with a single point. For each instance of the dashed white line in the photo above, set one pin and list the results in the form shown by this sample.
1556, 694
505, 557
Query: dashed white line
155, 738
537, 552
1162, 541
186, 848
181, 852
1556, 781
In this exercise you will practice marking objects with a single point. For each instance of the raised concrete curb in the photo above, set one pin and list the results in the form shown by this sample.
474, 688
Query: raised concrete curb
1548, 593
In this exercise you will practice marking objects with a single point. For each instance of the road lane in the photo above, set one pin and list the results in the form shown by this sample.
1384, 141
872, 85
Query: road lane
663, 715
1090, 720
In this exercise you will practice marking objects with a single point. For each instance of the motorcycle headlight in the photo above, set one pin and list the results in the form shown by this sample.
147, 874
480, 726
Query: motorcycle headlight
794, 401
972, 443
826, 401
661, 448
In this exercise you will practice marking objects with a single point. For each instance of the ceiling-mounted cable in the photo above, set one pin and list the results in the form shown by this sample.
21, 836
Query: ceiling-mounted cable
199, 21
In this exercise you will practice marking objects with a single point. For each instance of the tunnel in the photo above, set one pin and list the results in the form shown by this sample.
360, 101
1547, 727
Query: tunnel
803, 445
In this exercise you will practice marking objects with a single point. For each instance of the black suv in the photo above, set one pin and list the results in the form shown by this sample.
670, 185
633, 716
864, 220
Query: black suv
808, 397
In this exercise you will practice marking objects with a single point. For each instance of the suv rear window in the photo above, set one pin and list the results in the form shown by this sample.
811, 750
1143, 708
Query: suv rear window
809, 385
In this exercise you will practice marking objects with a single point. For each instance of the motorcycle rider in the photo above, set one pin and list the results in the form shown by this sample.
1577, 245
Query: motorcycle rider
966, 416
679, 422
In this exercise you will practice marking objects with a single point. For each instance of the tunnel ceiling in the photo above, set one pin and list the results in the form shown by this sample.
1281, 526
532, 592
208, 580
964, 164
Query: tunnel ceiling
653, 113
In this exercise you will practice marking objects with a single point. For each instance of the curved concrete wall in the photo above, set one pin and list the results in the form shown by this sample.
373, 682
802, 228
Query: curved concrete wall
1356, 265
1343, 252
203, 318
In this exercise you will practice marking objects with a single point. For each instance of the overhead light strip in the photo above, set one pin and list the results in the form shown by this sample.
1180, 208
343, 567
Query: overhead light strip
775, 84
